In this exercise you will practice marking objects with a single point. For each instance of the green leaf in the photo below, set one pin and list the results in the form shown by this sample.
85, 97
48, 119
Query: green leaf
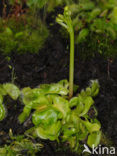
33, 95
36, 3
45, 117
99, 25
73, 102
1, 99
12, 90
68, 131
88, 103
88, 91
3, 151
8, 31
2, 90
94, 87
51, 132
79, 109
76, 101
26, 112
61, 105
74, 119
80, 105
87, 6
92, 90
26, 95
2, 109
40, 132
83, 135
94, 139
2, 112
56, 88
18, 35
95, 12
91, 127
64, 83
71, 127
112, 32
40, 102
82, 35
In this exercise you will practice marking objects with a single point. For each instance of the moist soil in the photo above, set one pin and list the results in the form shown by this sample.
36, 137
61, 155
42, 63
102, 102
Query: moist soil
52, 65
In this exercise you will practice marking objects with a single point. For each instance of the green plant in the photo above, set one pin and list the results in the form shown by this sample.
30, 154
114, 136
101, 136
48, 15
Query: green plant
93, 21
55, 117
66, 22
22, 36
95, 24
94, 16
55, 114
7, 89
20, 145
36, 4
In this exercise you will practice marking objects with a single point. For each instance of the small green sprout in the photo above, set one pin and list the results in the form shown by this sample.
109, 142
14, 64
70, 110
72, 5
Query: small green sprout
66, 21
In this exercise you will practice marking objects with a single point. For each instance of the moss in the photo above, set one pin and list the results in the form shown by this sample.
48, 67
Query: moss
22, 35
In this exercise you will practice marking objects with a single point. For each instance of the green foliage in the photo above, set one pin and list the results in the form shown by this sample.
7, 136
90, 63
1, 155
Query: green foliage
50, 4
22, 35
93, 21
96, 19
94, 139
57, 117
96, 16
54, 115
2, 112
7, 89
96, 43
30, 3
12, 90
20, 145
82, 35
36, 3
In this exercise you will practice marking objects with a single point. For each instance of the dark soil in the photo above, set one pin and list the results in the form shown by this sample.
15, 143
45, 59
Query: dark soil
52, 65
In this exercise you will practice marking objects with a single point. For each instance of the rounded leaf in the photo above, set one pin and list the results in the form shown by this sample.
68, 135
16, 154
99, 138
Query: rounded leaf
92, 127
82, 35
12, 90
88, 103
51, 132
46, 117
94, 139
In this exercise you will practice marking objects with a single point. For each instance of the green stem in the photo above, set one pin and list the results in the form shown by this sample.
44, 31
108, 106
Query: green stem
71, 69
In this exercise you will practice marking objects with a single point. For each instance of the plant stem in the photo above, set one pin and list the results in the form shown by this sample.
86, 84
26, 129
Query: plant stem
66, 21
71, 69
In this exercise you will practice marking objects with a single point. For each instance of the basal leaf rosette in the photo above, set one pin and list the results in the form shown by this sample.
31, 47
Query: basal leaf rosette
57, 118
54, 116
